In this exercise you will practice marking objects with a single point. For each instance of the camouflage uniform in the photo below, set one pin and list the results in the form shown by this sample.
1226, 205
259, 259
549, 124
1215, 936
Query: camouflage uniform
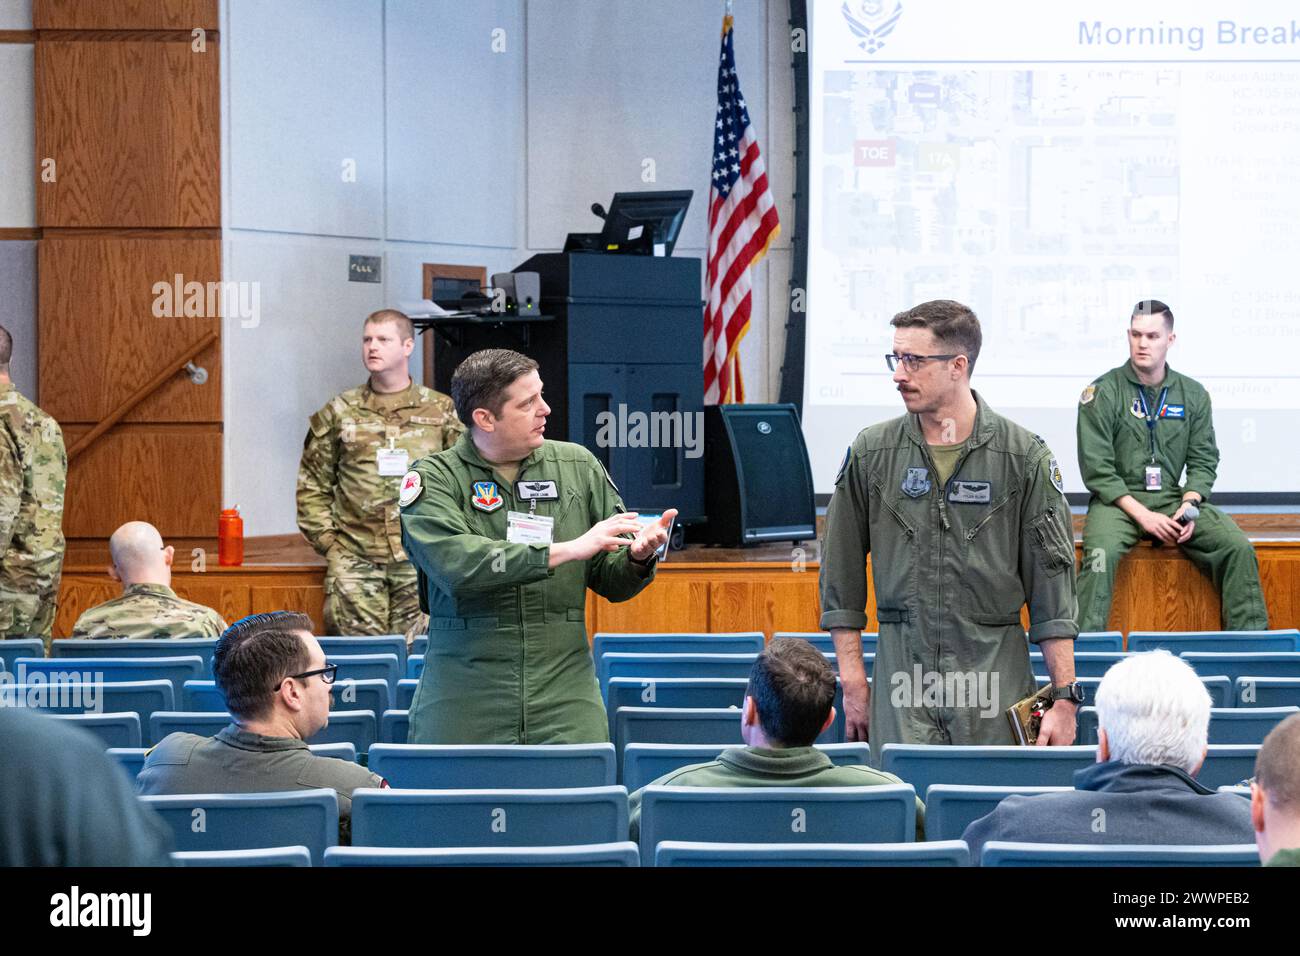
348, 510
149, 610
33, 473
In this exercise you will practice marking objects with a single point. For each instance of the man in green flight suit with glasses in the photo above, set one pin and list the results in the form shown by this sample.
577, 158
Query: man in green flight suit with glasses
507, 531
1140, 425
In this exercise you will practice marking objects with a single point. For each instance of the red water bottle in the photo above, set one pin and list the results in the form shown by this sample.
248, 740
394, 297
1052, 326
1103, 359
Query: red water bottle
230, 538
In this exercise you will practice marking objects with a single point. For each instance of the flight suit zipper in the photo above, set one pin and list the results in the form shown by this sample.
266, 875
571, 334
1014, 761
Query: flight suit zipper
970, 535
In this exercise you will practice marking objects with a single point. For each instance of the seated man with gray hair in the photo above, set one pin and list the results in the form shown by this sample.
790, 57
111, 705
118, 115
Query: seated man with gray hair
1153, 716
147, 607
1275, 795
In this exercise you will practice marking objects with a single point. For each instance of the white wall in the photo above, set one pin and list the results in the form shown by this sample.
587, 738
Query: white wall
482, 133
18, 194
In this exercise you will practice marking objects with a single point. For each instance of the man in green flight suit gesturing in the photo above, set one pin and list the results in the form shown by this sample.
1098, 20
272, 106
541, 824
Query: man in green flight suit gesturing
507, 531
1140, 425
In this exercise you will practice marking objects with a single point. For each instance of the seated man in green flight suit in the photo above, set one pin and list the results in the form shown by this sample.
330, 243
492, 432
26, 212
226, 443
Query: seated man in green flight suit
1140, 426
507, 531
787, 704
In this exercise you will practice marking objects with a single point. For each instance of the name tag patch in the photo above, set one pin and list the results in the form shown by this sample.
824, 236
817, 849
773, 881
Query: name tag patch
1173, 411
537, 491
970, 492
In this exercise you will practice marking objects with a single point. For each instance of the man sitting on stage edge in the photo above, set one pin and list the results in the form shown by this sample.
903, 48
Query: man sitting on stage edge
273, 674
148, 607
787, 704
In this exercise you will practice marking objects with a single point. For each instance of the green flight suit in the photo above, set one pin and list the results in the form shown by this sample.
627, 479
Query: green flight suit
952, 566
508, 659
1114, 452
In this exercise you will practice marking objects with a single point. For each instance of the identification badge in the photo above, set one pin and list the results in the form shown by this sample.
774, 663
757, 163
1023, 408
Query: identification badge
537, 491
1153, 478
393, 461
528, 529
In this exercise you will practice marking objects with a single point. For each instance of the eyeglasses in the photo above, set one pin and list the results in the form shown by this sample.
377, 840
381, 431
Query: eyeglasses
327, 675
913, 363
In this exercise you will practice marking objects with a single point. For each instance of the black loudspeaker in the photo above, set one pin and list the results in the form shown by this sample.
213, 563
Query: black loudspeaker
758, 483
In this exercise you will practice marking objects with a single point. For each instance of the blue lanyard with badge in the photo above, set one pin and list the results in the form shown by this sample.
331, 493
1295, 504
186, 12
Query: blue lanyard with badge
1153, 478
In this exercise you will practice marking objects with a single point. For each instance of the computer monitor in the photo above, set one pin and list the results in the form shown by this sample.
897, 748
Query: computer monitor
640, 222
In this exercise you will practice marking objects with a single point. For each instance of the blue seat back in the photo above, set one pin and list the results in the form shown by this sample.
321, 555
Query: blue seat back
199, 696
419, 646
1086, 663
677, 853
137, 647
881, 814
115, 669
617, 664
1266, 692
130, 759
359, 728
1219, 688
15, 647
645, 763
748, 642
493, 818
503, 767
1000, 853
251, 821
951, 808
823, 641
112, 729
375, 695
1223, 642
366, 646
203, 723
675, 725
141, 697
405, 693
599, 854
1245, 665
367, 667
274, 856
1091, 642
923, 765
1246, 725
415, 666
395, 726
1227, 765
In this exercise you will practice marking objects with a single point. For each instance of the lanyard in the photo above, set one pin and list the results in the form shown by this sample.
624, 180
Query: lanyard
1151, 419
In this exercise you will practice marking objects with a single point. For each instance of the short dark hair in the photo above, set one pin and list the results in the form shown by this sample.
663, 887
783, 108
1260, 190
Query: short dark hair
6, 346
255, 655
954, 325
481, 381
405, 327
793, 686
1277, 767
1154, 307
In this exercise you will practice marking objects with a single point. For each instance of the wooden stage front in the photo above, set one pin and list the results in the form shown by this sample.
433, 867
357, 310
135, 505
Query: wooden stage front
768, 589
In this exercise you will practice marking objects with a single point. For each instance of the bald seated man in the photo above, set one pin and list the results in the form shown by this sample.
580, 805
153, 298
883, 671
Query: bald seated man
148, 606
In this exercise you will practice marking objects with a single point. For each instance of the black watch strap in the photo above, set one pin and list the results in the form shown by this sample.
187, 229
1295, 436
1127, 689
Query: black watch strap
1072, 691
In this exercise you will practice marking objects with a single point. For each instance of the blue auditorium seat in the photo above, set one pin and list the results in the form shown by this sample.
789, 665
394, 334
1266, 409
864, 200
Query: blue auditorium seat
499, 767
1227, 764
1223, 642
251, 821
748, 642
1266, 692
616, 664
356, 727
1246, 725
367, 667
141, 697
405, 693
1001, 853
116, 669
273, 856
113, 729
951, 808
203, 723
1245, 665
374, 694
489, 818
1086, 663
675, 725
1092, 642
415, 666
419, 646
922, 765
643, 763
366, 646
1219, 688
395, 726
880, 814
198, 696
823, 641
599, 854
678, 853
131, 759
136, 647
15, 647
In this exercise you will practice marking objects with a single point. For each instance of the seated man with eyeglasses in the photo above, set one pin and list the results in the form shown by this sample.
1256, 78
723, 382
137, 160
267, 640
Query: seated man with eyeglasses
276, 682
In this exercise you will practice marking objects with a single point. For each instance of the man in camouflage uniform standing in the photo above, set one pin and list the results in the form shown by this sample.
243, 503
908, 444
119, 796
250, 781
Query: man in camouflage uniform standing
33, 473
148, 606
357, 449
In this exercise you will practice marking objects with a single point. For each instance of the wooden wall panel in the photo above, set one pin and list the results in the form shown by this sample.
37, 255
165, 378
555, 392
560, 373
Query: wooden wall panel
77, 595
100, 339
134, 130
670, 603
229, 600
124, 14
168, 475
788, 602
308, 600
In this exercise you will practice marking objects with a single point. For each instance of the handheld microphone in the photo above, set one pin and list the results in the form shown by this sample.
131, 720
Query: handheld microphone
1190, 515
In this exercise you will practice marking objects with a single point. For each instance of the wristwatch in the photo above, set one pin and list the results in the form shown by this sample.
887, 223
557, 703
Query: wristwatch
1073, 692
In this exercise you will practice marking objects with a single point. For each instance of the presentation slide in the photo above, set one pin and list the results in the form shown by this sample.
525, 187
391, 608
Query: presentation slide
1050, 165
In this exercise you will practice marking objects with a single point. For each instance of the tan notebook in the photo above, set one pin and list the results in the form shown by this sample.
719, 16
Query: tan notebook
1026, 716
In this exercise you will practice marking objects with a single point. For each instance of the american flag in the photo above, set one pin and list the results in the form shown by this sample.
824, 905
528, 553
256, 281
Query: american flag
742, 224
